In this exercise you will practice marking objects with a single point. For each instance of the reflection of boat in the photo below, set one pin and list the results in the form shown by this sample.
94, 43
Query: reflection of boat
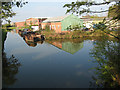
70, 46
40, 42
29, 43
31, 38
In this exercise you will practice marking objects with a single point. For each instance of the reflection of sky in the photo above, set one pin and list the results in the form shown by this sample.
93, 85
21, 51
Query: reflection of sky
47, 66
19, 47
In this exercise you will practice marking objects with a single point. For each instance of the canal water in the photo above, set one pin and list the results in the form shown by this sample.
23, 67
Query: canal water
49, 64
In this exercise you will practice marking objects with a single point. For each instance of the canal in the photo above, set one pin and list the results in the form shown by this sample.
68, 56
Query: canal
58, 63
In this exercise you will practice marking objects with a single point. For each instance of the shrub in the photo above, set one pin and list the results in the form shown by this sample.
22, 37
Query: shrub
47, 28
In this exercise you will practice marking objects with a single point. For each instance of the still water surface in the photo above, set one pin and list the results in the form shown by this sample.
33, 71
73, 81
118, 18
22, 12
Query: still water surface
51, 64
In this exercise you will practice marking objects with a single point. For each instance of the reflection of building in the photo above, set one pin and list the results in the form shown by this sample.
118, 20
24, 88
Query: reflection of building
72, 47
62, 23
68, 46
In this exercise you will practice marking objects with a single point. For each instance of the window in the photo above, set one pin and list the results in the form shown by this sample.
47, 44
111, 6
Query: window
58, 26
42, 26
50, 27
35, 20
54, 27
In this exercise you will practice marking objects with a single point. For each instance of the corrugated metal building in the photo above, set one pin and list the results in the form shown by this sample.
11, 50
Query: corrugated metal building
61, 23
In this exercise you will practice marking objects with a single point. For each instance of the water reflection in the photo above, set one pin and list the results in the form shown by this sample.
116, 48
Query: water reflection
31, 38
107, 56
4, 36
71, 45
30, 43
9, 65
50, 67
10, 69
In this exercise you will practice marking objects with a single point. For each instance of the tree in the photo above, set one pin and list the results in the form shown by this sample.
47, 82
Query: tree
80, 7
31, 23
107, 71
25, 24
77, 7
113, 11
7, 8
47, 28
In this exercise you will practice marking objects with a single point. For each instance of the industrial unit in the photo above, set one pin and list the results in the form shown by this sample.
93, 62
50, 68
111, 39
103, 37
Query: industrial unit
61, 23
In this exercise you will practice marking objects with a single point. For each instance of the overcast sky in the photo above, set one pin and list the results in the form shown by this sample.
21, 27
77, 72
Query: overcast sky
44, 8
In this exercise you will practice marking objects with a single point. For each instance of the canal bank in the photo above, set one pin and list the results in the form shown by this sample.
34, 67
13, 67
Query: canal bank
78, 34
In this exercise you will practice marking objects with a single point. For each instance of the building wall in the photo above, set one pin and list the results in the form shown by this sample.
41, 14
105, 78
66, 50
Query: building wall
66, 22
19, 24
33, 21
71, 20
40, 22
53, 25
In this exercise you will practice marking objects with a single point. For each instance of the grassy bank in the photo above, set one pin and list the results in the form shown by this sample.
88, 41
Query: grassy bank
77, 34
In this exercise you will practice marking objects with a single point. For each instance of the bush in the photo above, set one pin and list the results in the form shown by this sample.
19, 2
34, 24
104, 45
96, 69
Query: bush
47, 28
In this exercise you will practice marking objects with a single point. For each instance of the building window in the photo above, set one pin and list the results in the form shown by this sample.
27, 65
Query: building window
35, 21
42, 26
58, 26
50, 27
54, 27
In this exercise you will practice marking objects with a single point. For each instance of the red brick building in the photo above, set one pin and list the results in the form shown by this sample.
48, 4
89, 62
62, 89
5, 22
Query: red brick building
59, 24
53, 25
36, 21
19, 24
32, 21
62, 23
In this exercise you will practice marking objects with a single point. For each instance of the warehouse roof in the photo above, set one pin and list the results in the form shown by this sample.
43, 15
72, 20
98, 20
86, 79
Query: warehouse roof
38, 17
59, 18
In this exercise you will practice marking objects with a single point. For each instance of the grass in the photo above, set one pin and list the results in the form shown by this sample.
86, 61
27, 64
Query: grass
79, 34
12, 28
73, 34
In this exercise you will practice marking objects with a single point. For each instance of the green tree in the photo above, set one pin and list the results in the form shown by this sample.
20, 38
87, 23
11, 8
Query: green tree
113, 11
25, 24
31, 23
107, 71
77, 7
7, 8
80, 7
47, 28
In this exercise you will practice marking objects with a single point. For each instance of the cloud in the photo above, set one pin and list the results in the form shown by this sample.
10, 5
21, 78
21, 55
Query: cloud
44, 54
40, 51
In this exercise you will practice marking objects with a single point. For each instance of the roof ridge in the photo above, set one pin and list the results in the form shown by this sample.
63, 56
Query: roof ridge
58, 18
